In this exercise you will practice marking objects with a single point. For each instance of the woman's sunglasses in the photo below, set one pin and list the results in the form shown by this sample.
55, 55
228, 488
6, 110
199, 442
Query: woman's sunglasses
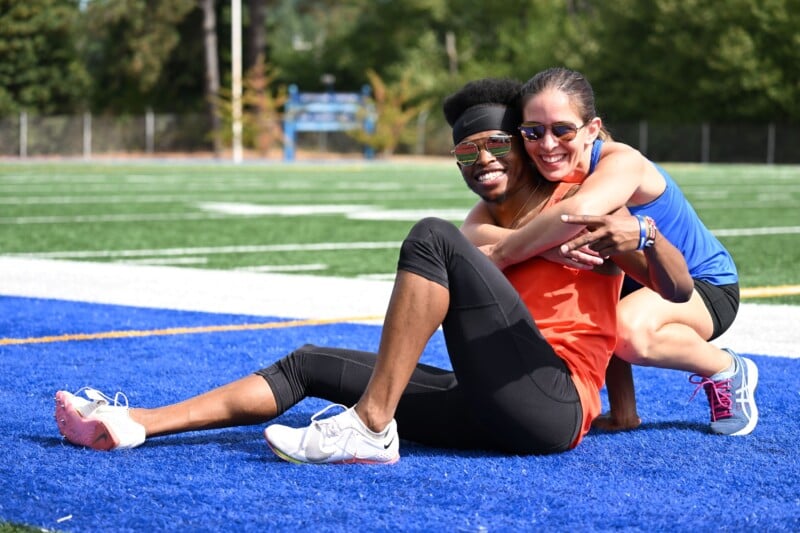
467, 152
563, 131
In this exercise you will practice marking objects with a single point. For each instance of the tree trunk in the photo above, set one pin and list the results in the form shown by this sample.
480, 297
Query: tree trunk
212, 71
257, 34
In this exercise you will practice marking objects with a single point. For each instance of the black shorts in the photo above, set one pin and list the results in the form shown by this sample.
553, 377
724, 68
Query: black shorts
722, 301
508, 390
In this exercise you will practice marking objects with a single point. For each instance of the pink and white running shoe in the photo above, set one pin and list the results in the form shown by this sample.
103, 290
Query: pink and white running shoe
97, 421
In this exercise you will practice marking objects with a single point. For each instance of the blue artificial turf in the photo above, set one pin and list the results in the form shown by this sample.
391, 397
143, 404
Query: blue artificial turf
670, 474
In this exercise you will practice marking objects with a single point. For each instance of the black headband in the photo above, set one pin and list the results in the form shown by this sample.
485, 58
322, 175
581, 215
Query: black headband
485, 117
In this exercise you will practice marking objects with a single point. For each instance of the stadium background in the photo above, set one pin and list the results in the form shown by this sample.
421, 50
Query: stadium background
100, 255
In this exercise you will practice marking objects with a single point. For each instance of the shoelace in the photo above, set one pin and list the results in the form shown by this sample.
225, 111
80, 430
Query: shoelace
328, 427
718, 393
100, 398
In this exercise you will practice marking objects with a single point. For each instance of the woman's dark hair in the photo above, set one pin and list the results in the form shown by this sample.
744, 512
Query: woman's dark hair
569, 82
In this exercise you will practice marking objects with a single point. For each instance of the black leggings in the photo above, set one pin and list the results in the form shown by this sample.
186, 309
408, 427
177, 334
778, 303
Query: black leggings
508, 390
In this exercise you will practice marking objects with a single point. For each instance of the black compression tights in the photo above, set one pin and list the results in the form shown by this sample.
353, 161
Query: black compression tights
508, 390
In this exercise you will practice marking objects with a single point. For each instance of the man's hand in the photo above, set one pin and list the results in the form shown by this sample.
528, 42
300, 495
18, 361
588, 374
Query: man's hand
487, 250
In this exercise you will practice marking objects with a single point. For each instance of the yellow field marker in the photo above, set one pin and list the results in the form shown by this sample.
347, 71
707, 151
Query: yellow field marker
769, 292
752, 292
182, 331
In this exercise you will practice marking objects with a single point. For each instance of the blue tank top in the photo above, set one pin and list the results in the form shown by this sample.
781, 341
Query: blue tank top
706, 257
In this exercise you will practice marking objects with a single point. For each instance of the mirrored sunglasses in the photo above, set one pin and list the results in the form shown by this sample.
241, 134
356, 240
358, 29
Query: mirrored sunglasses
467, 152
563, 131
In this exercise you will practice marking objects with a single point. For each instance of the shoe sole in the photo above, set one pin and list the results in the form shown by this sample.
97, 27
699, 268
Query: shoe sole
81, 431
352, 461
752, 383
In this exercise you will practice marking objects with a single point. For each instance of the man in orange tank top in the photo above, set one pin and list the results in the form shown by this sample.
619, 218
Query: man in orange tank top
528, 346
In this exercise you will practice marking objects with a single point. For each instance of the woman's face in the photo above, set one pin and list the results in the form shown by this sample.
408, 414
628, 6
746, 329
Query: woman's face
557, 158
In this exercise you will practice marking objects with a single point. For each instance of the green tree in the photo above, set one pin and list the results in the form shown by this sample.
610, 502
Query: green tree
694, 59
395, 106
129, 48
262, 100
40, 65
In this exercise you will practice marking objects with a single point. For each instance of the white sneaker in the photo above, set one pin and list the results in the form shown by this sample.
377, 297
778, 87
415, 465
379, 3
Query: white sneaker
339, 439
97, 421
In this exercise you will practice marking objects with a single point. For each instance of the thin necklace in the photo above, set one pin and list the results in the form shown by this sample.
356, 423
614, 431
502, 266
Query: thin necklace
515, 220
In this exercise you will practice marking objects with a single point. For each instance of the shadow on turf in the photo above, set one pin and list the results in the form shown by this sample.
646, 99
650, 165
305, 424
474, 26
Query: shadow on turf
657, 426
249, 440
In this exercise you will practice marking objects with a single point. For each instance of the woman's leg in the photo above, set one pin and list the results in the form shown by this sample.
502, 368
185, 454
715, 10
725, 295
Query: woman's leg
654, 332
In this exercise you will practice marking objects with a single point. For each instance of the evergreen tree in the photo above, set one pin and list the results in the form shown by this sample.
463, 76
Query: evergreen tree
41, 70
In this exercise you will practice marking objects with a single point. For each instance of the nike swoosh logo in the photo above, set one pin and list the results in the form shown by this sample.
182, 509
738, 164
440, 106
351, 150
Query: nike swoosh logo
479, 117
386, 446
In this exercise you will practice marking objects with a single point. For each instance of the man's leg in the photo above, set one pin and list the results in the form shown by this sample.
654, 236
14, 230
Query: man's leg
246, 401
621, 398
367, 433
491, 338
103, 423
416, 309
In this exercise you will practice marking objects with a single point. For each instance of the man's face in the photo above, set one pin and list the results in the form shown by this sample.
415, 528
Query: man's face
493, 177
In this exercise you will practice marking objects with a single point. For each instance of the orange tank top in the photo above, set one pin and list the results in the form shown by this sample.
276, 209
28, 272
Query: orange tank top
576, 311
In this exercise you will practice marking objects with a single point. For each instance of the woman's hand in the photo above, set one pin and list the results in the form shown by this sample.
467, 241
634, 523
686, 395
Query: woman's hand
581, 259
605, 235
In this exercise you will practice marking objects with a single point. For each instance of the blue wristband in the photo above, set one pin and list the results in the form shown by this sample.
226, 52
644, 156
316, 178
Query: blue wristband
642, 232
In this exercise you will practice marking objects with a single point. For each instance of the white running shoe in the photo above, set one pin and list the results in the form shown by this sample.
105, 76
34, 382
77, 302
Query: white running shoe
339, 439
97, 421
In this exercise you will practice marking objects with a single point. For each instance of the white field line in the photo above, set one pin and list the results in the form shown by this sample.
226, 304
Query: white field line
231, 210
410, 214
108, 218
210, 250
759, 329
213, 291
216, 210
166, 261
285, 268
750, 232
217, 196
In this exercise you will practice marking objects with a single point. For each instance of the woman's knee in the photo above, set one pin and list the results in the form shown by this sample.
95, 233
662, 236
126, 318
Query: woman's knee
635, 335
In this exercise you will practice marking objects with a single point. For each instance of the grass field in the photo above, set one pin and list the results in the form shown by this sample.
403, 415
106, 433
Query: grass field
343, 219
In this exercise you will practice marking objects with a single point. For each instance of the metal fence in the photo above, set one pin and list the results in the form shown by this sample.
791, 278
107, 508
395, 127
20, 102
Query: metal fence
152, 134
87, 135
713, 143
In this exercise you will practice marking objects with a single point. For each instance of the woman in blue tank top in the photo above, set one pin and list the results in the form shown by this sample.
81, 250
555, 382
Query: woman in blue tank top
566, 141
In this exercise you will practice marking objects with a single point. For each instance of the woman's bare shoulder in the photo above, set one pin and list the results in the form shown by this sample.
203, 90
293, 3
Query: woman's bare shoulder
618, 149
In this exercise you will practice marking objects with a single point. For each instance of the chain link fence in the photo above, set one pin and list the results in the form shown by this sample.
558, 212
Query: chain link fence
160, 135
87, 135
